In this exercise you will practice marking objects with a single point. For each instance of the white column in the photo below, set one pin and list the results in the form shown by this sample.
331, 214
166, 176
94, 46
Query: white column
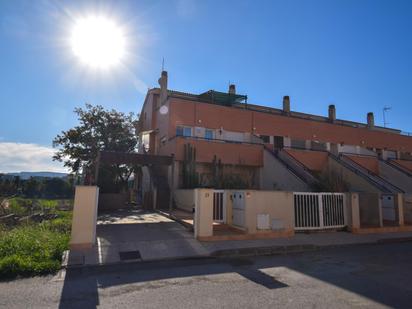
83, 234
203, 218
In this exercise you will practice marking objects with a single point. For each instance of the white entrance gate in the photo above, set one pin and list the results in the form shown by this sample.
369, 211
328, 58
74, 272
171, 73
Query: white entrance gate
388, 207
219, 206
318, 211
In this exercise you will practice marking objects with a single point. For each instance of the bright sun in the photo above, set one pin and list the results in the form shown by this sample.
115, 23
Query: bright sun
98, 42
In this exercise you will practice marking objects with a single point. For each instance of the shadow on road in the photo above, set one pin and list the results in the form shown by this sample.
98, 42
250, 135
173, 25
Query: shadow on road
79, 290
375, 272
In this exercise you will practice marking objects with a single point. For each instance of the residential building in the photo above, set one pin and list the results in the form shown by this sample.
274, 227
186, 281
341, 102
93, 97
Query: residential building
220, 140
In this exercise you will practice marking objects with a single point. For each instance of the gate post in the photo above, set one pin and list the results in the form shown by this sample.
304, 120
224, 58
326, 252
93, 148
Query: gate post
399, 200
320, 203
353, 212
83, 234
203, 218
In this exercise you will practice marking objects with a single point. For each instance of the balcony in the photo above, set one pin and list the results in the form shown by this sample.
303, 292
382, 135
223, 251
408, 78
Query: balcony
229, 152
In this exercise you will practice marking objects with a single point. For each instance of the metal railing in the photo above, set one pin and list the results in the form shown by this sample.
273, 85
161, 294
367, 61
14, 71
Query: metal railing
376, 178
357, 172
318, 211
397, 166
217, 140
297, 166
285, 164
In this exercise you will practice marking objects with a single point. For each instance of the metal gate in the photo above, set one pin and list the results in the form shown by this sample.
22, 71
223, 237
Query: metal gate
318, 211
238, 209
219, 209
388, 207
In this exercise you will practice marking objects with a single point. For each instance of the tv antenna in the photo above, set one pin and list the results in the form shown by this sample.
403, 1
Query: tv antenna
163, 64
384, 111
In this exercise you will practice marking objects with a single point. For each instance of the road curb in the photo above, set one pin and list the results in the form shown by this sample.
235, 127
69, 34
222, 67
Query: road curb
245, 252
284, 250
92, 267
264, 251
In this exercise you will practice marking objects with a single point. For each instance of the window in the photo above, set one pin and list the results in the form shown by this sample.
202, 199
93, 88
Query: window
315, 145
265, 139
187, 131
179, 131
295, 143
208, 134
183, 131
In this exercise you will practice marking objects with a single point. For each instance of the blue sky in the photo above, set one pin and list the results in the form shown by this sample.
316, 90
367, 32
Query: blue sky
355, 54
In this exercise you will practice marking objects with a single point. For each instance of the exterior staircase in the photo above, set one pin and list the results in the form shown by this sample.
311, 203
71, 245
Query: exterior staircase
398, 167
294, 166
380, 183
396, 174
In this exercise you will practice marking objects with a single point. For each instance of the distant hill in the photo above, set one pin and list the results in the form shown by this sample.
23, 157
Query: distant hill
27, 175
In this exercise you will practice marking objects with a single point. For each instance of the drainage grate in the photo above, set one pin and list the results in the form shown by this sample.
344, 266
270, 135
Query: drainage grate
129, 255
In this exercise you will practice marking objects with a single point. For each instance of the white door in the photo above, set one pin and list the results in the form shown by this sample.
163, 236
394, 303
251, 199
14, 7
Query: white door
238, 210
219, 206
388, 208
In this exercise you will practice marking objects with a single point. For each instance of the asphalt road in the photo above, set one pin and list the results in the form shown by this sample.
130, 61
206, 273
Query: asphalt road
373, 276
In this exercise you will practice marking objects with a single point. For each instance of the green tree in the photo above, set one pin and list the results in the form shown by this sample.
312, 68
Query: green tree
32, 187
98, 129
56, 187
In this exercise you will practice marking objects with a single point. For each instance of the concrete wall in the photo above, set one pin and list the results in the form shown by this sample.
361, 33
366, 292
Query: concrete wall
392, 175
352, 211
229, 176
83, 233
185, 199
356, 182
275, 176
370, 211
112, 201
277, 204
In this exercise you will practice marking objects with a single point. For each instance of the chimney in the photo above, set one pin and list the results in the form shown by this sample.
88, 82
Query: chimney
163, 87
286, 104
332, 113
232, 89
371, 120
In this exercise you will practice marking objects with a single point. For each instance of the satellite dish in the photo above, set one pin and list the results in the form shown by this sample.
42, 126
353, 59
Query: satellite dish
164, 110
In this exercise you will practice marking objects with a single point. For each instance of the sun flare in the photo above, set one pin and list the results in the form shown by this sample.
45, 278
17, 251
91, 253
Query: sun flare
98, 42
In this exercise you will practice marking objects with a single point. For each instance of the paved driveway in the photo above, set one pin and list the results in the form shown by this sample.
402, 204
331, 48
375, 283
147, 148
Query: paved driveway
139, 235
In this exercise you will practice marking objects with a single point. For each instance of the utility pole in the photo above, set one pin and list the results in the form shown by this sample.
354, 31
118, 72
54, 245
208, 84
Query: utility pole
384, 110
